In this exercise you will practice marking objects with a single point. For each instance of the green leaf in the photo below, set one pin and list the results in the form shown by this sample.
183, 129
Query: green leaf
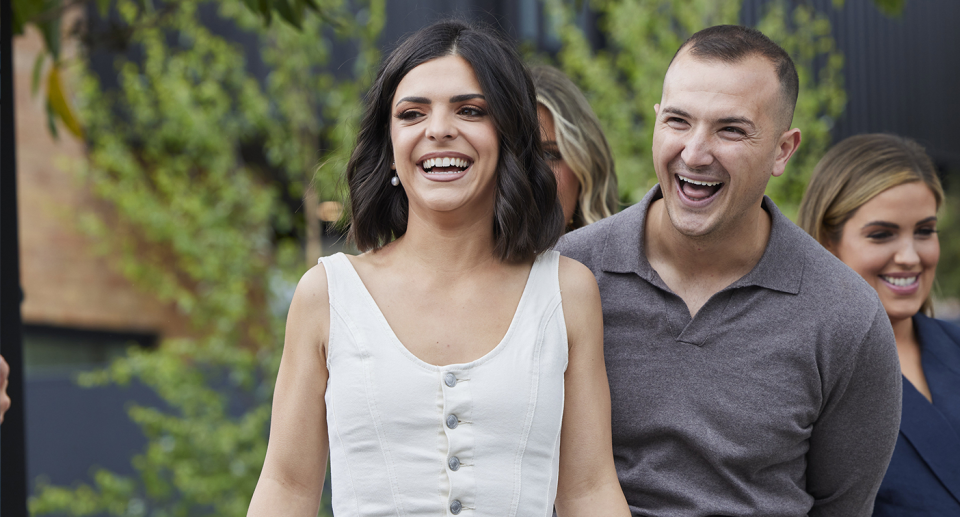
37, 69
288, 13
58, 105
51, 36
51, 121
266, 11
891, 8
253, 5
24, 12
104, 7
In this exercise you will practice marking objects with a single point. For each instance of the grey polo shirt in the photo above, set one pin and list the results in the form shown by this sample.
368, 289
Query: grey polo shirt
781, 397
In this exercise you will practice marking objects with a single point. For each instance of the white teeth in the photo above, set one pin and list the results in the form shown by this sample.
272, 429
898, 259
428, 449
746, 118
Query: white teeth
445, 162
705, 183
900, 282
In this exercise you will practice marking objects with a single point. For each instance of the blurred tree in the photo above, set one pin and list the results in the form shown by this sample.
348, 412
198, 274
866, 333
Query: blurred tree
204, 170
47, 16
624, 80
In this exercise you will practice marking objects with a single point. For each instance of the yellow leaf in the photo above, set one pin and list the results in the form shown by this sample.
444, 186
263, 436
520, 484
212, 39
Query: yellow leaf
57, 102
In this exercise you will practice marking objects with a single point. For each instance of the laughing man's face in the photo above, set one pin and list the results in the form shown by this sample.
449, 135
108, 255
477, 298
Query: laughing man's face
716, 142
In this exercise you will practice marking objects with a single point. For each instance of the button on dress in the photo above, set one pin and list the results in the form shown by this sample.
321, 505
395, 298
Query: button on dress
408, 438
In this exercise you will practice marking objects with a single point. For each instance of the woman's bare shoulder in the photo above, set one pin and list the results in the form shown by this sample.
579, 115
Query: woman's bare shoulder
312, 287
577, 281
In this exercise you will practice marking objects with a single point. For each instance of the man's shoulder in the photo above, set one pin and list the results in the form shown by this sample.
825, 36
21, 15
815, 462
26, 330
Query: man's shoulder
586, 244
827, 282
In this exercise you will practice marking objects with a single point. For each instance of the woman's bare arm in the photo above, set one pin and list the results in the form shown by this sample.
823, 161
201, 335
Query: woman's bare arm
292, 477
588, 482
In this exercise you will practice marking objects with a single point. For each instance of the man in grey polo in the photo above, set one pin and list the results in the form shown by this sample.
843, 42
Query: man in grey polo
751, 372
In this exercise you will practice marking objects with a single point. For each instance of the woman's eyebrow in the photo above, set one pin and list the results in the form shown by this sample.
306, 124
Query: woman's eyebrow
882, 224
931, 219
466, 97
415, 100
454, 99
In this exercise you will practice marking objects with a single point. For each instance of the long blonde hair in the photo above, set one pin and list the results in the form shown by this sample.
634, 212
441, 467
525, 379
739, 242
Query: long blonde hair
853, 172
582, 144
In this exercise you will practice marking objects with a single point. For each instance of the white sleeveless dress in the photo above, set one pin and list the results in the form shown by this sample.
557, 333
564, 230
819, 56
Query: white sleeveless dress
408, 438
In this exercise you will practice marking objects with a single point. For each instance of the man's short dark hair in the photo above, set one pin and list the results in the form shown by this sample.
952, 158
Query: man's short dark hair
527, 214
734, 43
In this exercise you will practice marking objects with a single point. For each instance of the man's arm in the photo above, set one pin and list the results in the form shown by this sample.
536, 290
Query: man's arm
852, 441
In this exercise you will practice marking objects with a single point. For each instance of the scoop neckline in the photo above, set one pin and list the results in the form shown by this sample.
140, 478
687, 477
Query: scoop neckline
395, 340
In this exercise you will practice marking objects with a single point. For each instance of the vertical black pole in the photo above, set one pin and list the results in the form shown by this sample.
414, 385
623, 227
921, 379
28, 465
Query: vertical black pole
13, 451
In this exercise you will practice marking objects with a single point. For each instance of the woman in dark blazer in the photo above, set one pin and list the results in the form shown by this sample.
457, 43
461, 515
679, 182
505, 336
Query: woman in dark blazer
873, 202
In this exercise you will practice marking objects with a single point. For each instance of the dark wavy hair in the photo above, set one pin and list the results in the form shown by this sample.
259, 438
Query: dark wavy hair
527, 214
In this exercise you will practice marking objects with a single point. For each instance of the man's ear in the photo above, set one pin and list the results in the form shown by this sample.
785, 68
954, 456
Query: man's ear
786, 146
656, 109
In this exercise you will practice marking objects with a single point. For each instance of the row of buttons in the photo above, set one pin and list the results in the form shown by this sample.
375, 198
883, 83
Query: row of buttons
454, 462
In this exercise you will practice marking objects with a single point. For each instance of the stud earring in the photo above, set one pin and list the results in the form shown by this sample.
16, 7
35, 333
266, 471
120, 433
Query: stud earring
393, 166
395, 181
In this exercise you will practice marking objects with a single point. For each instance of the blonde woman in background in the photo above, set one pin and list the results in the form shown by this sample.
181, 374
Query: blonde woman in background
873, 201
576, 149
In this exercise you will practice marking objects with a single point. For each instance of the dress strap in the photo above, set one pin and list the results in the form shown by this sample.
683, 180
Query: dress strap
545, 272
339, 270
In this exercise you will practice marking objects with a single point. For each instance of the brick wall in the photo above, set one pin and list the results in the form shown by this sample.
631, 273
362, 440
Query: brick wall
65, 282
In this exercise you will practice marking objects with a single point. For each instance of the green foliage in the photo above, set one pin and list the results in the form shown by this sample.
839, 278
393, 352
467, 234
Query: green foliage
821, 100
195, 224
46, 16
890, 8
624, 80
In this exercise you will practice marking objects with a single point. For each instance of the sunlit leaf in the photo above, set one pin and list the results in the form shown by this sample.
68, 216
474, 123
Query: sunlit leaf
58, 104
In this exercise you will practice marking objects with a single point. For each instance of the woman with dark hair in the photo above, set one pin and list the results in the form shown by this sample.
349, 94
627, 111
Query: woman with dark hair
873, 202
441, 367
576, 149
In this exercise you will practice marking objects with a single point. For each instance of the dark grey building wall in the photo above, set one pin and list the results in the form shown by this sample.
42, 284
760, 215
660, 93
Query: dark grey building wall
902, 74
72, 430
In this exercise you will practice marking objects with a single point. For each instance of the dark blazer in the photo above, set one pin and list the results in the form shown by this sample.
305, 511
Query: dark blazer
924, 474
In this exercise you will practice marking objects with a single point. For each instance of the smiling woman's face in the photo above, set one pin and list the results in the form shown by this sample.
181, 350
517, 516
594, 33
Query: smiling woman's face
445, 144
891, 241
